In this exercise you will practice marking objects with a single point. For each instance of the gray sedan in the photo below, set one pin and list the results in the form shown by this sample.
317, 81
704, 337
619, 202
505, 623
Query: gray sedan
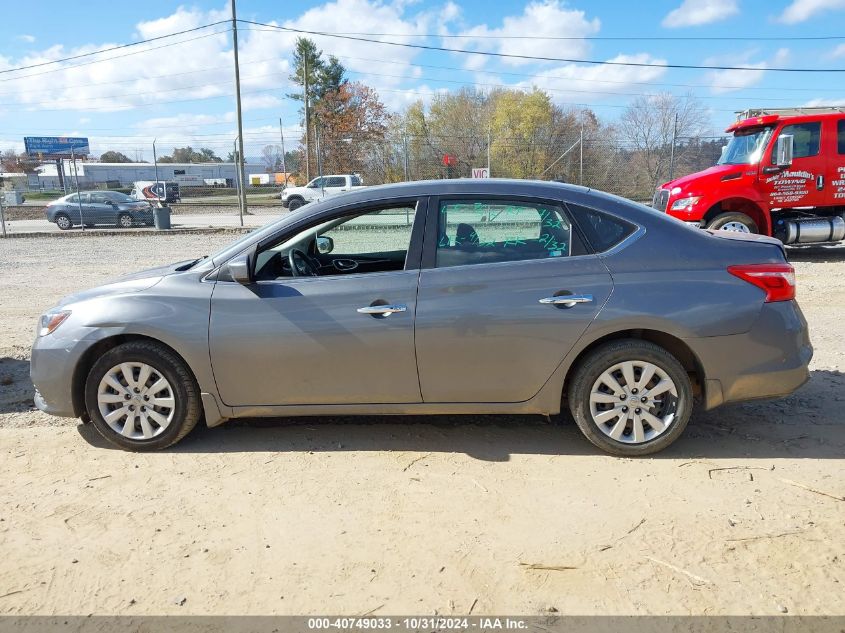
99, 207
440, 297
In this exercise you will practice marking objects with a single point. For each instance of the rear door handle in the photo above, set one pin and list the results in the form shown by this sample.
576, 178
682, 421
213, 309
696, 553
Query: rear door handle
567, 301
385, 310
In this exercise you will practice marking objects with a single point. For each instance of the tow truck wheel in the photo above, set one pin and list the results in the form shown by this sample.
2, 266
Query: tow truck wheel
735, 221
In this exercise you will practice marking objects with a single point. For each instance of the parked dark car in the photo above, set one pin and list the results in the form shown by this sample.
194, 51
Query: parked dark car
440, 297
99, 207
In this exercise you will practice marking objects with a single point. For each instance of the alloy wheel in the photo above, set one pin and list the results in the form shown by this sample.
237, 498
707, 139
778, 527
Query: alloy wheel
633, 402
136, 400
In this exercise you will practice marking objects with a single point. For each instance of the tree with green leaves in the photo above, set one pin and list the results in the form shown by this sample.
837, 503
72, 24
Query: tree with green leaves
321, 77
189, 155
114, 157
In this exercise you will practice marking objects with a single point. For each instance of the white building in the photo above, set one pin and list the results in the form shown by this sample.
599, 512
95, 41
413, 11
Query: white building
93, 175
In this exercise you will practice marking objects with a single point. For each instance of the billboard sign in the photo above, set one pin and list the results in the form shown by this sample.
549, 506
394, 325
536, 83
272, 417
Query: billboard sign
56, 146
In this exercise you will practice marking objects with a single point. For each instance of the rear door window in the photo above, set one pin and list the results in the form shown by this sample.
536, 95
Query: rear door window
494, 231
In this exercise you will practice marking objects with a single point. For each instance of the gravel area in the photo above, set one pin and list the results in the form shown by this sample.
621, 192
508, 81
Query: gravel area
743, 515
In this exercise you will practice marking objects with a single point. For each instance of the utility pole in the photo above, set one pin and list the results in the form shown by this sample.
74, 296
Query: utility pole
282, 137
2, 216
405, 156
238, 186
155, 166
307, 152
581, 156
489, 139
672, 153
78, 197
240, 153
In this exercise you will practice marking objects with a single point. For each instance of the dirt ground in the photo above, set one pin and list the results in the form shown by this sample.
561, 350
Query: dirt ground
744, 515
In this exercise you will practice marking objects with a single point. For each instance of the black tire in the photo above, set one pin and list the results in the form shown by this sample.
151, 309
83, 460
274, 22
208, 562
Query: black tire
63, 221
295, 203
605, 357
186, 393
734, 217
125, 221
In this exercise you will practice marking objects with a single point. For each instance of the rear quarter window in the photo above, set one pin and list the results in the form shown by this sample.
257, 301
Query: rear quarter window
603, 231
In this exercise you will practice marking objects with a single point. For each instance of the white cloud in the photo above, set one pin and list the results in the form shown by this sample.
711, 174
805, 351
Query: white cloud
839, 51
539, 20
822, 103
697, 12
722, 81
260, 102
138, 76
186, 122
24, 37
579, 83
802, 10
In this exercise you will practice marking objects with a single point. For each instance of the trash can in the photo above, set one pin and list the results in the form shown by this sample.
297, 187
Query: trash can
13, 198
161, 217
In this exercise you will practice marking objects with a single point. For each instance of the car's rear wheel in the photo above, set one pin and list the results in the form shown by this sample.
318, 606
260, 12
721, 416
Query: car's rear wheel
63, 221
125, 221
631, 397
141, 396
734, 221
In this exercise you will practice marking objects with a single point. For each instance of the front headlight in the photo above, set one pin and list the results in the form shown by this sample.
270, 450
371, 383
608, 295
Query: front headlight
685, 203
51, 320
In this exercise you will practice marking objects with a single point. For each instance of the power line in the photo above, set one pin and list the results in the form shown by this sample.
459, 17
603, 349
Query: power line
113, 48
98, 61
579, 79
598, 38
543, 58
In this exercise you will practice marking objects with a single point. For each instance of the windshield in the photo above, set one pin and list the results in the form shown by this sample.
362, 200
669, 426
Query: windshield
746, 147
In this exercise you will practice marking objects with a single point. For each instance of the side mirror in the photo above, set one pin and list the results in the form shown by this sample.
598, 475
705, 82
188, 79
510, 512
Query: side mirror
325, 245
239, 269
723, 152
784, 150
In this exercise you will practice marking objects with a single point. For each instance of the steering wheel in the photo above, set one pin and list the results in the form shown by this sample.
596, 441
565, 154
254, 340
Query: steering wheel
301, 265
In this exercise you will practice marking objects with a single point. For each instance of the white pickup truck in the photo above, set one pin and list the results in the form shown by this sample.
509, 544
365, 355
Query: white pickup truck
319, 188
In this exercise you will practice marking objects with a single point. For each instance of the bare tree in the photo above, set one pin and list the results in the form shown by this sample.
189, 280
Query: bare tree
271, 156
651, 124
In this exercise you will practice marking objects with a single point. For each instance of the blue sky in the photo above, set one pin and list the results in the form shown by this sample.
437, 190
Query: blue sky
182, 93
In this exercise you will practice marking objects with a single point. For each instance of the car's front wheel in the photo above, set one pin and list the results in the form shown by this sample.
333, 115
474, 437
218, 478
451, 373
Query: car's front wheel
631, 397
63, 221
295, 203
141, 396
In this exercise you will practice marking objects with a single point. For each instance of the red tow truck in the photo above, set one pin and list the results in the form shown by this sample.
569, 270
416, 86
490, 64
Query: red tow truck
782, 174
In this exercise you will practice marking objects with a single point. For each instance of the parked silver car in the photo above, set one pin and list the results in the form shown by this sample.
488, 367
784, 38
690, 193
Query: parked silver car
99, 207
440, 297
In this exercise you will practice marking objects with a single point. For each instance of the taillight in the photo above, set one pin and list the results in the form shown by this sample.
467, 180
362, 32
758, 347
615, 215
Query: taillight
776, 280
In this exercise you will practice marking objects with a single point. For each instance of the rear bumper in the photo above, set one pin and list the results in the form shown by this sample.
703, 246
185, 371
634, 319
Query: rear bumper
769, 361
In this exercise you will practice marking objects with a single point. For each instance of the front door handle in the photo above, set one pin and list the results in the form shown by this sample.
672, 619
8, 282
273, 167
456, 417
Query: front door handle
385, 310
567, 301
820, 182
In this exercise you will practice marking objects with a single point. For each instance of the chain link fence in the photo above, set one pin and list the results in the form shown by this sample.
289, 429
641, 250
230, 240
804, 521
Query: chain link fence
209, 193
